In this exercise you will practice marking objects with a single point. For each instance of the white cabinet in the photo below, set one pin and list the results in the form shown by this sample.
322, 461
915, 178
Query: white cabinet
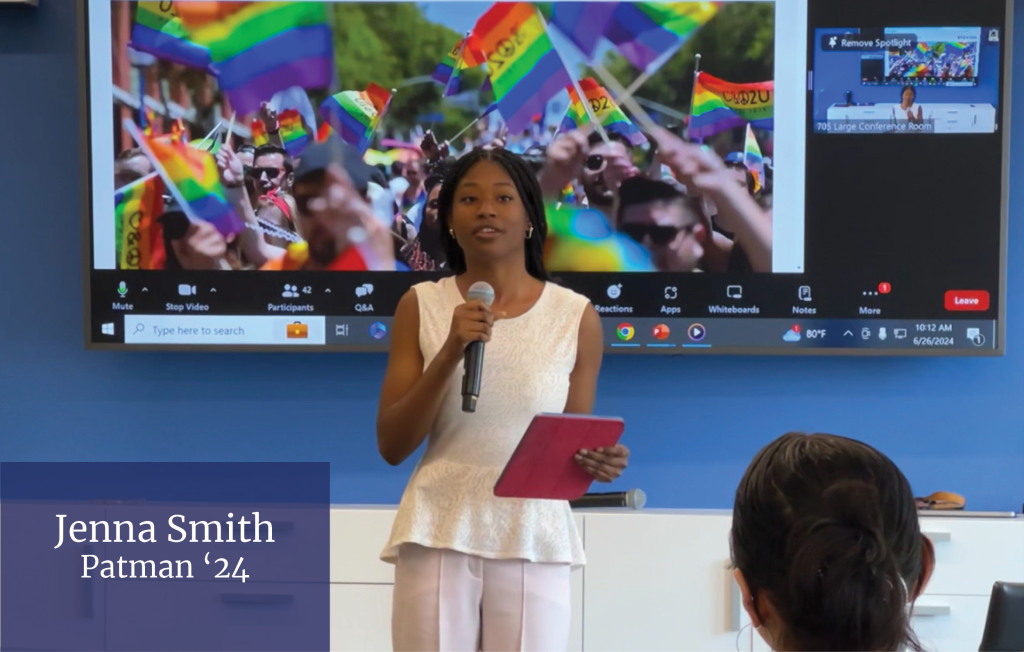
948, 623
361, 617
660, 581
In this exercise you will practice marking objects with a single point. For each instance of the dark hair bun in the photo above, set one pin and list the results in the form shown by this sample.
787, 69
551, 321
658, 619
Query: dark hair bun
843, 579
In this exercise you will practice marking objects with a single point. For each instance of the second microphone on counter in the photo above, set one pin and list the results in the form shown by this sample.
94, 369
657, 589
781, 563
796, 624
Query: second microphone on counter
634, 499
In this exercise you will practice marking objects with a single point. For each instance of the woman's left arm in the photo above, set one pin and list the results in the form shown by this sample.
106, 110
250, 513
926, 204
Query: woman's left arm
589, 353
605, 464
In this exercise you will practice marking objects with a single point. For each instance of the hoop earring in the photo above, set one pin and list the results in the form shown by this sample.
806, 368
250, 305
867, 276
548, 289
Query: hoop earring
529, 234
451, 232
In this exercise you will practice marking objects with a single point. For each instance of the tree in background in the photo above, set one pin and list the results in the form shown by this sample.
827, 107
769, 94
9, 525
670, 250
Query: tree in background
388, 42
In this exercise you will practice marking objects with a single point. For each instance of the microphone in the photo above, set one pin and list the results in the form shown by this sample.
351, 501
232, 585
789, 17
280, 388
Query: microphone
634, 499
474, 362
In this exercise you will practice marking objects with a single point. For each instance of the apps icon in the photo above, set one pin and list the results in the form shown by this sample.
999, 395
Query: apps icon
625, 332
696, 332
660, 332
793, 334
298, 331
378, 330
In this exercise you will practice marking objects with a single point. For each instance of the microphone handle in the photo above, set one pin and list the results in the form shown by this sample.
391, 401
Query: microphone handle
634, 499
474, 369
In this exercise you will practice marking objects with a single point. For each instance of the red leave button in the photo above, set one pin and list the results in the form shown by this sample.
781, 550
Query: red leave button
967, 300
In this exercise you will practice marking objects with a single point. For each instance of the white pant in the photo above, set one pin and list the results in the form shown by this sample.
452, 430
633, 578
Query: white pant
447, 601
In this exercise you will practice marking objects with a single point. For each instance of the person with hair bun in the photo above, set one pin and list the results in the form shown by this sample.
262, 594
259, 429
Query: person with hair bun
827, 548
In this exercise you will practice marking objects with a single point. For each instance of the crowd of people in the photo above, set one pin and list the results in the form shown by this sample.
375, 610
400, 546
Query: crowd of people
949, 64
717, 221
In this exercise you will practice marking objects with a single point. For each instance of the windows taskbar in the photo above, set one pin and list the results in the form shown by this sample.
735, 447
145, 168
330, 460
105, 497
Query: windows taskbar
651, 336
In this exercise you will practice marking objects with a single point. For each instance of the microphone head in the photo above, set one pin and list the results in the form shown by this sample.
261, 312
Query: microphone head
636, 499
481, 291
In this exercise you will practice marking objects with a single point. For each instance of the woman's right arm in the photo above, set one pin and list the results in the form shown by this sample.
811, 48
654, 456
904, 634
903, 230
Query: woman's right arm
411, 396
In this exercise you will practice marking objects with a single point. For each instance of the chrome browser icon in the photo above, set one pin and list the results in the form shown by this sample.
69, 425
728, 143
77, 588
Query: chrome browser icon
625, 332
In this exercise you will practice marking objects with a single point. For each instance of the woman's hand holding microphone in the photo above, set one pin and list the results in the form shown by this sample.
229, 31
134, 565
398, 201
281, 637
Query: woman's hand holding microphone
471, 322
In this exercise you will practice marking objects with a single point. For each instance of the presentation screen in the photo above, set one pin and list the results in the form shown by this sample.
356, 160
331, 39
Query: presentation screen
264, 175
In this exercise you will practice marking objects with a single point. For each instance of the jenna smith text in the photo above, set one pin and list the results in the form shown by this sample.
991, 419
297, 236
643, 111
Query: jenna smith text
181, 532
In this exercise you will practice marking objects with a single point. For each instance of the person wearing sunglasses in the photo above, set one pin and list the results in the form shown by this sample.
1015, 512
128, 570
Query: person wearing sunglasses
659, 216
272, 169
607, 166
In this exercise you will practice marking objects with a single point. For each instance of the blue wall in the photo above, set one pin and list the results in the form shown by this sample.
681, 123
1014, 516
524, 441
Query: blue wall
693, 424
838, 72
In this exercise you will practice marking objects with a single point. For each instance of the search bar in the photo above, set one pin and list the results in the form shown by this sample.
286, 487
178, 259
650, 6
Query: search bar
223, 329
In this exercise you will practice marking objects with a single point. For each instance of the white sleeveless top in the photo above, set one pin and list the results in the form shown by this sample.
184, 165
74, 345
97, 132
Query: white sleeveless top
449, 502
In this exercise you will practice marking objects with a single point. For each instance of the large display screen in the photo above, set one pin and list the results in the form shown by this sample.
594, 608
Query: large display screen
204, 118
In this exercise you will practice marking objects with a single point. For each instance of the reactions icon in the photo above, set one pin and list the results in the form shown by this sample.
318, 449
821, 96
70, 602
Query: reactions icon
625, 332
660, 332
378, 330
793, 334
696, 332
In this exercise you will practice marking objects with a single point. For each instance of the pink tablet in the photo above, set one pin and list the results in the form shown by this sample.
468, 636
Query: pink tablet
542, 466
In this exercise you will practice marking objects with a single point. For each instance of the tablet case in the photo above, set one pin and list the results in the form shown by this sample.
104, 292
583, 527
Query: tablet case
543, 464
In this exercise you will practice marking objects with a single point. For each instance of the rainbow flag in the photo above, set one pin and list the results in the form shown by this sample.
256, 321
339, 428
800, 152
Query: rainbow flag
581, 240
293, 132
720, 105
525, 70
449, 72
753, 160
583, 23
648, 33
354, 115
211, 145
139, 237
259, 133
568, 194
323, 132
608, 113
158, 31
260, 48
191, 175
923, 48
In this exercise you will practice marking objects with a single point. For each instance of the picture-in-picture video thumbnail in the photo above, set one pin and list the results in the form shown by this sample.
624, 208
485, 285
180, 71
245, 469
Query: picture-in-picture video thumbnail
906, 80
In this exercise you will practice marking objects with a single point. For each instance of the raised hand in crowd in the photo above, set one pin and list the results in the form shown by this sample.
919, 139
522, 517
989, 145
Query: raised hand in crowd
340, 208
705, 175
230, 167
269, 118
564, 162
617, 164
254, 246
432, 150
